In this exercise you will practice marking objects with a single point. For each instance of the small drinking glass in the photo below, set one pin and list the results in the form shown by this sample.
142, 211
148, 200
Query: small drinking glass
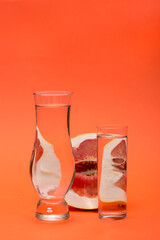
52, 165
112, 174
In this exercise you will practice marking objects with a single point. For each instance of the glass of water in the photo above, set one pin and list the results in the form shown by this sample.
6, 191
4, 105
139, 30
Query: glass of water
112, 174
52, 165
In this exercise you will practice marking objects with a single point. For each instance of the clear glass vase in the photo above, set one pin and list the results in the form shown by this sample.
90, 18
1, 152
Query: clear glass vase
52, 165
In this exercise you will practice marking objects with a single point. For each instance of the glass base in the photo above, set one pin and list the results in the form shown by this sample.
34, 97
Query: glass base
110, 215
52, 210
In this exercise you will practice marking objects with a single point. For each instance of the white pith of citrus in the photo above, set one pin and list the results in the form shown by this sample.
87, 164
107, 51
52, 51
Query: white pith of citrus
108, 191
77, 140
48, 169
72, 198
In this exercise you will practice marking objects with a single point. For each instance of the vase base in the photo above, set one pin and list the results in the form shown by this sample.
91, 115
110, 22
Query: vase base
52, 211
52, 218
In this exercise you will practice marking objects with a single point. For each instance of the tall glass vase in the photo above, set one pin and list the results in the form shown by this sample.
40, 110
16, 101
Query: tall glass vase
52, 164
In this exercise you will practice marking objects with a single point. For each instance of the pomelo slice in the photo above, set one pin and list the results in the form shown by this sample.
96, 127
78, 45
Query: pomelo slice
113, 175
46, 170
83, 193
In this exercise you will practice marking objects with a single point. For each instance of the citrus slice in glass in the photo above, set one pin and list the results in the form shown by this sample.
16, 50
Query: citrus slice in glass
113, 173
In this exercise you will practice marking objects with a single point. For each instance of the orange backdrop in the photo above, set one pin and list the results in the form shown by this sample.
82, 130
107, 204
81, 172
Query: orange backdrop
107, 53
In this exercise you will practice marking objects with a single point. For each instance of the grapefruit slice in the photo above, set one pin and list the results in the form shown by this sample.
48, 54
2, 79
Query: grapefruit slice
113, 174
83, 193
46, 169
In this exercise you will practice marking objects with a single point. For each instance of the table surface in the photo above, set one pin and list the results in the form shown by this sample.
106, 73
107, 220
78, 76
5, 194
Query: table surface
17, 221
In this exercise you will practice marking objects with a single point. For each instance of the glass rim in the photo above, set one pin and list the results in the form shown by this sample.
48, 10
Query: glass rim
112, 126
52, 93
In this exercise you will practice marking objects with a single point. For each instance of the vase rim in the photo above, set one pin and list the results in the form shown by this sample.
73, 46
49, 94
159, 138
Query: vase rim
52, 93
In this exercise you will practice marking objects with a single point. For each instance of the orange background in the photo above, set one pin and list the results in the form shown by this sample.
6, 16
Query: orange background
107, 53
